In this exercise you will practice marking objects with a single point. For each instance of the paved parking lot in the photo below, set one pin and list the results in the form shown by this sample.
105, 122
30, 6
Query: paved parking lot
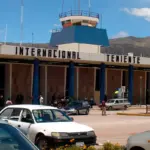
112, 127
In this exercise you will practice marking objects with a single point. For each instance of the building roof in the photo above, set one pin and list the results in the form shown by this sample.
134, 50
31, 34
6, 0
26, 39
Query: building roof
31, 107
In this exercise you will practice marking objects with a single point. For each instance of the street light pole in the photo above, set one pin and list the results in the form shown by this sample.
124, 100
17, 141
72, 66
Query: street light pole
21, 22
79, 6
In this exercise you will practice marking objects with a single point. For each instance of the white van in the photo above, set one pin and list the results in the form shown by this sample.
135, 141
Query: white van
118, 103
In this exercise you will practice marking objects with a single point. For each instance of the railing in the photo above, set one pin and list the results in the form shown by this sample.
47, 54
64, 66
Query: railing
79, 13
56, 30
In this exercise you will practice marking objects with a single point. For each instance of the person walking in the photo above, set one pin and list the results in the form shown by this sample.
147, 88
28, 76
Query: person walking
103, 108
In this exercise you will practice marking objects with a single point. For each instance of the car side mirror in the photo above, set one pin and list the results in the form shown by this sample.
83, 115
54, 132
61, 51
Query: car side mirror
72, 119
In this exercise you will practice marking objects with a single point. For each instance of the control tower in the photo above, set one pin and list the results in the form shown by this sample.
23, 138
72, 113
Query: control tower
79, 32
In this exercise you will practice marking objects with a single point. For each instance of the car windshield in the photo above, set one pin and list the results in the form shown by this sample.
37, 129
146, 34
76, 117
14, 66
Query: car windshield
111, 101
12, 139
50, 115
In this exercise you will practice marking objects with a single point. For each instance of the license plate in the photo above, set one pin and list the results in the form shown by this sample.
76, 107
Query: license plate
79, 144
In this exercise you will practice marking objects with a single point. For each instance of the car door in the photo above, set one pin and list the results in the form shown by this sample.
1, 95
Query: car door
79, 107
26, 120
14, 117
116, 104
85, 106
121, 104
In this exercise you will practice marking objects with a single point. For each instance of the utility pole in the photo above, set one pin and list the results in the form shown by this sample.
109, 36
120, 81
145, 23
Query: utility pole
62, 6
21, 23
5, 34
89, 6
32, 38
79, 6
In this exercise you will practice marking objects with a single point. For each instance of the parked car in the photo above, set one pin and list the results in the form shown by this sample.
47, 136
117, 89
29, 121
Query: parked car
47, 126
118, 103
78, 107
140, 141
13, 139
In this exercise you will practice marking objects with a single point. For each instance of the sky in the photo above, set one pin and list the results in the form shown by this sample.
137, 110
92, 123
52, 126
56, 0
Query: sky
121, 18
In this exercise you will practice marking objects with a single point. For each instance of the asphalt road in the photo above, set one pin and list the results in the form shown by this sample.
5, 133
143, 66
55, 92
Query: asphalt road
112, 127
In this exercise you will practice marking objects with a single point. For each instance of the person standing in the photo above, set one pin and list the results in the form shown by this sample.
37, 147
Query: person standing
19, 99
103, 108
8, 102
41, 99
1, 101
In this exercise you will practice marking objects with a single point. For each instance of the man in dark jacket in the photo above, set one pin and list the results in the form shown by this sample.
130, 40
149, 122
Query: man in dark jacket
19, 99
1, 101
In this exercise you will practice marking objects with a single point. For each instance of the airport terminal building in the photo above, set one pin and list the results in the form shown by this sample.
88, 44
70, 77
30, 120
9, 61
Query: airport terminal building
73, 65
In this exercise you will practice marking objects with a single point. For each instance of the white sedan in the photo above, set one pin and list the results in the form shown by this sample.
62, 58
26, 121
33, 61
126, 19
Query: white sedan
47, 126
140, 141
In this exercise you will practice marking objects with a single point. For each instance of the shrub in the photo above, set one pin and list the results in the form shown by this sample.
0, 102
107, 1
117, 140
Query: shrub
106, 146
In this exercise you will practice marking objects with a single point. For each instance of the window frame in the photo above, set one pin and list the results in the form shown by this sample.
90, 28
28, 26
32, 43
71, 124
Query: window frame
5, 110
18, 116
22, 114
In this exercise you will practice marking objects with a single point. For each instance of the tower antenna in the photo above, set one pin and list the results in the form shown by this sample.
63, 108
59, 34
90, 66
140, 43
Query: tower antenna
62, 6
89, 6
101, 21
21, 23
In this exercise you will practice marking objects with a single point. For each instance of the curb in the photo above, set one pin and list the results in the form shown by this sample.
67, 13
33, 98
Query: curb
135, 108
130, 114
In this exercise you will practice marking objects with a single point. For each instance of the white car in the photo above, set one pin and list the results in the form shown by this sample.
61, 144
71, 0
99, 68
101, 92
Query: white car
140, 141
47, 126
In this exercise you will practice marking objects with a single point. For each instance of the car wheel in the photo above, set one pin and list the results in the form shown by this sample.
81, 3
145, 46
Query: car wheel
110, 108
137, 148
125, 107
87, 112
42, 142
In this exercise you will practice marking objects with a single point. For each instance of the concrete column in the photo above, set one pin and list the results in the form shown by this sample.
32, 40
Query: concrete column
77, 80
130, 83
65, 81
32, 70
8, 81
71, 79
45, 101
102, 81
36, 82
